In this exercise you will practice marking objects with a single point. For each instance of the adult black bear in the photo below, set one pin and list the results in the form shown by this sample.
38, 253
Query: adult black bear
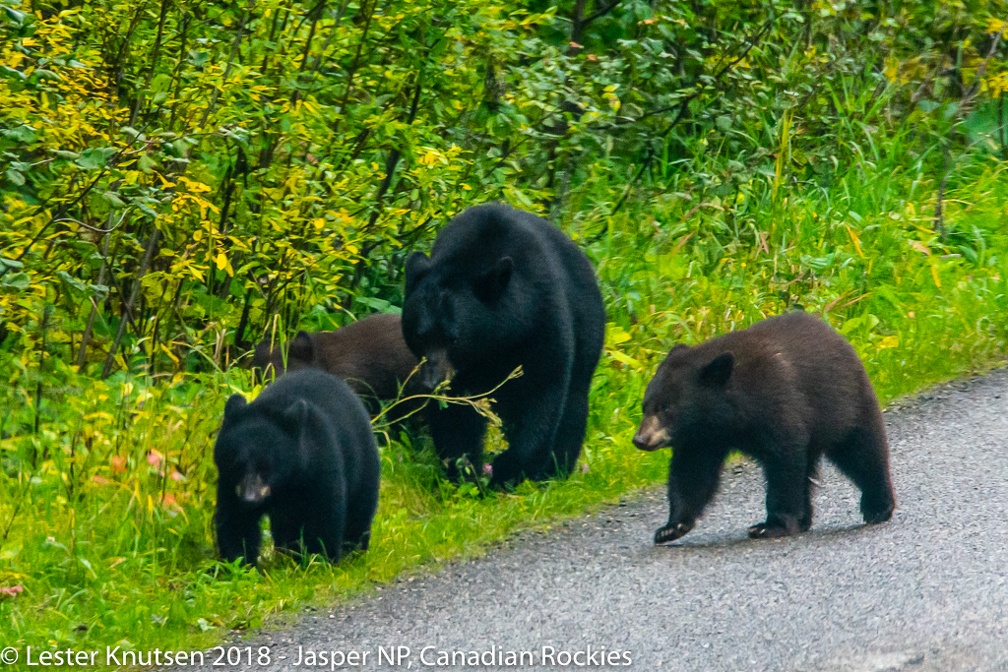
370, 355
504, 288
785, 391
303, 454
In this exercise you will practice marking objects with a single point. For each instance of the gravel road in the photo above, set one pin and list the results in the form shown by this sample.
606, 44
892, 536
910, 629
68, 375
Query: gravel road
927, 591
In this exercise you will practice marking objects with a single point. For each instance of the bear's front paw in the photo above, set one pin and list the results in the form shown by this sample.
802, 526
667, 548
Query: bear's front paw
671, 532
768, 531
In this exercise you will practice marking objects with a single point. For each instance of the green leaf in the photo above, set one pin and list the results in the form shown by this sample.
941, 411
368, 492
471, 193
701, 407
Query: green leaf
15, 177
16, 18
16, 281
23, 133
95, 157
8, 72
114, 199
146, 163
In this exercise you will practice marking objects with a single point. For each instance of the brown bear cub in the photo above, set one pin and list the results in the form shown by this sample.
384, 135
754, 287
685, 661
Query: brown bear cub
785, 391
370, 355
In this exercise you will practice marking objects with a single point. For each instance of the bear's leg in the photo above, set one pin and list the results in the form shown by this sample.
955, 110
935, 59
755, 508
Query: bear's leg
787, 496
570, 434
357, 533
530, 425
458, 431
693, 480
324, 524
286, 532
863, 456
238, 534
811, 475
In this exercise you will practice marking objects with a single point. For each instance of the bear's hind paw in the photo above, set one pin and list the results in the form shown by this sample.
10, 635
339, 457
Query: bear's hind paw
671, 532
768, 531
876, 517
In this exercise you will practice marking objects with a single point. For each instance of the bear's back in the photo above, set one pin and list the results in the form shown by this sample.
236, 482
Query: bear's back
796, 363
336, 405
549, 261
370, 355
341, 428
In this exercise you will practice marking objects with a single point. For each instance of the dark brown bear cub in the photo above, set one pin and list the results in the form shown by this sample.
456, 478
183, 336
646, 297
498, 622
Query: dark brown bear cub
784, 391
370, 355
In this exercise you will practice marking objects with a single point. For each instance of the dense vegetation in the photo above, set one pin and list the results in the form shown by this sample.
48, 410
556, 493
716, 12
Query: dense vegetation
179, 178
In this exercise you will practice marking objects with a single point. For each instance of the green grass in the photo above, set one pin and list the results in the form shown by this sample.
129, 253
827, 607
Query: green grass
109, 532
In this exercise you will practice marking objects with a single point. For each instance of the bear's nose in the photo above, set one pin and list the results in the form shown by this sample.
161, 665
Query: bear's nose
436, 369
651, 435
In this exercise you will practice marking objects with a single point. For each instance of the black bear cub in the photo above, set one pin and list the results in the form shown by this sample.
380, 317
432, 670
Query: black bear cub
303, 454
785, 391
370, 355
501, 289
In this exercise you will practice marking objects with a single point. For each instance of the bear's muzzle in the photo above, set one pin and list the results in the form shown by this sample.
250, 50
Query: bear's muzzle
436, 369
651, 435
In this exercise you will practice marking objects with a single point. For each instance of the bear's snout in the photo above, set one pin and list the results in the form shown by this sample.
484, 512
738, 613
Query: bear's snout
651, 435
436, 370
252, 489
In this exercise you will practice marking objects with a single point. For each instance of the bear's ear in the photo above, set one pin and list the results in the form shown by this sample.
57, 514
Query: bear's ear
417, 266
491, 285
301, 349
678, 347
717, 372
235, 403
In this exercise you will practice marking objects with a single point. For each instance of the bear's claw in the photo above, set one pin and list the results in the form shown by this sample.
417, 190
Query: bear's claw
671, 532
766, 531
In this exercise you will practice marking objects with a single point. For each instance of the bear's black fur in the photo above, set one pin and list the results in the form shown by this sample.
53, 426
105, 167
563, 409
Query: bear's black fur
370, 355
303, 454
785, 391
504, 288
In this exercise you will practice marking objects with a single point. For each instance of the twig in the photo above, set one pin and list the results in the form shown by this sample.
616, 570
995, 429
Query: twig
86, 336
468, 400
128, 307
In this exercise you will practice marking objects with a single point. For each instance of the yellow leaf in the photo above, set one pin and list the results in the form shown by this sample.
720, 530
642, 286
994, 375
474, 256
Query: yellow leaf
854, 239
431, 157
221, 261
624, 358
934, 275
889, 342
617, 335
166, 350
193, 186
